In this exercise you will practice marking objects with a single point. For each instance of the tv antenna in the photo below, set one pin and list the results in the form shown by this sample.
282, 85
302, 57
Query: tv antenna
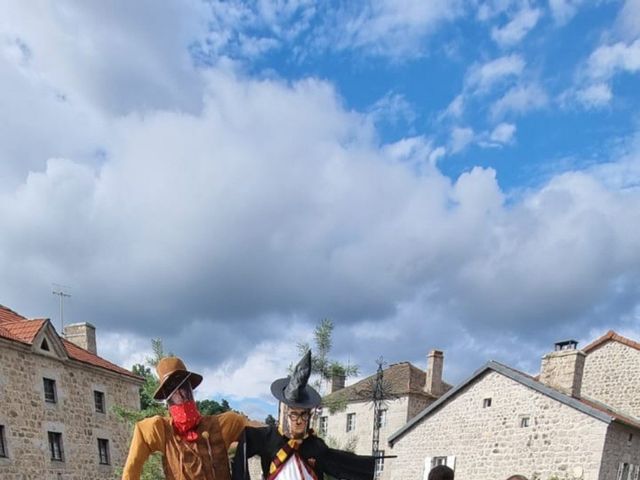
61, 291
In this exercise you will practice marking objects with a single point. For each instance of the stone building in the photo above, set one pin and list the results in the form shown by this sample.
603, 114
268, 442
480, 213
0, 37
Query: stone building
347, 417
56, 398
575, 420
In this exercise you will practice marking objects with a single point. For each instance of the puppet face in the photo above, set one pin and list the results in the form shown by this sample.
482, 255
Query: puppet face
181, 395
298, 422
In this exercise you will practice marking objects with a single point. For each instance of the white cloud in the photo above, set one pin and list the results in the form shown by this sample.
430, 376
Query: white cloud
460, 139
595, 96
481, 78
608, 60
503, 133
628, 21
517, 28
564, 10
520, 99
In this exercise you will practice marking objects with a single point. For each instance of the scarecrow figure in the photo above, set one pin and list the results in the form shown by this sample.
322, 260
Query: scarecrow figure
292, 451
194, 447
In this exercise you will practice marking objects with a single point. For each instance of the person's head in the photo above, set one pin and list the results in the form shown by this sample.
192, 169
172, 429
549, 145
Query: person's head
175, 381
296, 421
441, 472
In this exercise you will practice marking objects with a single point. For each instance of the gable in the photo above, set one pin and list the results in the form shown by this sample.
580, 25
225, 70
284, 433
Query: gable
47, 342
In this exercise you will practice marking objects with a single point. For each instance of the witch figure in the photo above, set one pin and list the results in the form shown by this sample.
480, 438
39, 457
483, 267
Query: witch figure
292, 451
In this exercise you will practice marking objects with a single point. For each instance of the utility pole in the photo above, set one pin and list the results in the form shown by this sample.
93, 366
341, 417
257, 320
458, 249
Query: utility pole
59, 290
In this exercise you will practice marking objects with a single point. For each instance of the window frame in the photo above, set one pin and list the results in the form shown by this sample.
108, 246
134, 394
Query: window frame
379, 462
103, 406
4, 449
56, 445
53, 398
381, 420
323, 424
351, 422
525, 421
486, 402
103, 447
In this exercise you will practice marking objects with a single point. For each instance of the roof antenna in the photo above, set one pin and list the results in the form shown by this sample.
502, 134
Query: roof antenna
60, 291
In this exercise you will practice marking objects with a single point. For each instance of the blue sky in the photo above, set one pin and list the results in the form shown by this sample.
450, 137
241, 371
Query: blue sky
460, 175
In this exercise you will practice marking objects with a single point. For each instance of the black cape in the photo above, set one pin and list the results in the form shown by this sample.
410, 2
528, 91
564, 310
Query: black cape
267, 441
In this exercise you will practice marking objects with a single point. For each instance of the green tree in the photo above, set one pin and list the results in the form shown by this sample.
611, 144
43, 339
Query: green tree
270, 420
321, 364
211, 407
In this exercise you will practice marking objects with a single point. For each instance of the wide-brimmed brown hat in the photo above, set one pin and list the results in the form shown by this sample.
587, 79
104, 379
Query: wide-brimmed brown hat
172, 372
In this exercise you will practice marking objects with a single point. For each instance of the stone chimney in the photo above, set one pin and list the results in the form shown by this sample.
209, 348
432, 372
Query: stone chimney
83, 335
562, 369
433, 380
337, 382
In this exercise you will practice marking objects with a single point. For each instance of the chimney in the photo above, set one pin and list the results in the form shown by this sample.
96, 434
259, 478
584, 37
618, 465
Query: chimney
337, 382
433, 379
83, 335
562, 369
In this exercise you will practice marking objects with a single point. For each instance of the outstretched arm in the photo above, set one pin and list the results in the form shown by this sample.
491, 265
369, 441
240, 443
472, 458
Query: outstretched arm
251, 443
346, 465
148, 436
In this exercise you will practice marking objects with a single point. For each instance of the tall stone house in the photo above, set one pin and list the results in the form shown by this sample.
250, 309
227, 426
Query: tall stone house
56, 399
578, 419
347, 416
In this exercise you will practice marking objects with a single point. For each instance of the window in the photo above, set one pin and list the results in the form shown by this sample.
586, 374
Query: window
351, 422
379, 461
486, 403
98, 399
50, 390
3, 443
44, 345
55, 446
103, 451
324, 421
630, 439
525, 422
437, 461
381, 421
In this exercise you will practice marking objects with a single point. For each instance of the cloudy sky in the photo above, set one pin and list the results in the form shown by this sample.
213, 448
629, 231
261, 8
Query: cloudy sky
450, 174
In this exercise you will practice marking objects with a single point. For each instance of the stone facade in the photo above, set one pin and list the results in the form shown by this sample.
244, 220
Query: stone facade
612, 376
27, 417
491, 443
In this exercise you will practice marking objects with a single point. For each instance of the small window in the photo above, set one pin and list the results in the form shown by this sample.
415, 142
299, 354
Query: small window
382, 418
630, 439
525, 422
3, 443
324, 422
351, 422
437, 461
44, 345
50, 395
98, 399
379, 461
486, 403
55, 446
103, 451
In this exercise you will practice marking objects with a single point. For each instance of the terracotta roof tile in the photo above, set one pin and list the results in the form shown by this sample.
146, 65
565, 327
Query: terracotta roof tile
17, 328
24, 330
611, 335
8, 315
85, 356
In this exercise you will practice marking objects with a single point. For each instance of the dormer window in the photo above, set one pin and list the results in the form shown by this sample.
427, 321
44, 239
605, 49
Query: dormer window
44, 345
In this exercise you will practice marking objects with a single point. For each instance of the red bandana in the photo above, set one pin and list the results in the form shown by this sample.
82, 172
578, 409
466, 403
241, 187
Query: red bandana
185, 419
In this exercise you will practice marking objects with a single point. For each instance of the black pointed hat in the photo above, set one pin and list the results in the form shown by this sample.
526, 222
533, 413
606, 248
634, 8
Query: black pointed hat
293, 391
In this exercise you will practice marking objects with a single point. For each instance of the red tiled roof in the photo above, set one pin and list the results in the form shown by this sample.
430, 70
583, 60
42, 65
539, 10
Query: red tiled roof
8, 315
24, 330
85, 356
611, 335
17, 328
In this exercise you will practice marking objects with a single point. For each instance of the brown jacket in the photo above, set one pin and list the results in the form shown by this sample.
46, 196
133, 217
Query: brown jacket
184, 460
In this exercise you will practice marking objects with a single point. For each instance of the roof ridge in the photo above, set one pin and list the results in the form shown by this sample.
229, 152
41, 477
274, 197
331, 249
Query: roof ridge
611, 335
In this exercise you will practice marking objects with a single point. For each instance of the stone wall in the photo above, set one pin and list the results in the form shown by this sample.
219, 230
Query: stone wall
27, 417
621, 446
490, 444
612, 376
